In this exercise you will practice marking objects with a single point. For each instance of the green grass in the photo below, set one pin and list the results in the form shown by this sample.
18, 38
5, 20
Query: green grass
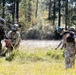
38, 61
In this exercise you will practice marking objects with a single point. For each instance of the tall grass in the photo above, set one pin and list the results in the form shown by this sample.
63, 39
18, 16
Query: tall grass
38, 61
39, 54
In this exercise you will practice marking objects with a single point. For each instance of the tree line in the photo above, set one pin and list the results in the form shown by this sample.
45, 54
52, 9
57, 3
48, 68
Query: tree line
28, 12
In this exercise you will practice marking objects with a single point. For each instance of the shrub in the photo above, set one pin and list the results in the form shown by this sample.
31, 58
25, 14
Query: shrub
10, 57
33, 34
55, 54
48, 35
23, 35
39, 32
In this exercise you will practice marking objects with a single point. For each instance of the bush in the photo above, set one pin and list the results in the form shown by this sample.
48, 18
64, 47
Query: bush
10, 56
47, 32
55, 54
43, 32
48, 35
23, 35
33, 34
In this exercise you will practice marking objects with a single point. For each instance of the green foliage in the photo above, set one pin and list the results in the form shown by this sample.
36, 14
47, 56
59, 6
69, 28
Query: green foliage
52, 17
74, 19
27, 12
58, 55
40, 32
33, 34
37, 55
11, 56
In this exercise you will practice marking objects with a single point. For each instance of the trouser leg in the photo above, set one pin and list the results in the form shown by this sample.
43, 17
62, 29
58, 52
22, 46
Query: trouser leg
67, 59
67, 63
9, 50
72, 61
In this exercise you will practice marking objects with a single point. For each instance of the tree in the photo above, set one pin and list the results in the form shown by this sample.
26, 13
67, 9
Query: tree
14, 10
54, 13
0, 6
36, 8
49, 13
11, 8
3, 5
17, 10
66, 14
59, 20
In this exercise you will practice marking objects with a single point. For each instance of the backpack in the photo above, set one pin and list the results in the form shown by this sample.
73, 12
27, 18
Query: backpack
68, 33
68, 37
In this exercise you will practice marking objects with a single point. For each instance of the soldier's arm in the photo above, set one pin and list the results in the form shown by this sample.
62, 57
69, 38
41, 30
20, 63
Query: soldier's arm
63, 45
9, 34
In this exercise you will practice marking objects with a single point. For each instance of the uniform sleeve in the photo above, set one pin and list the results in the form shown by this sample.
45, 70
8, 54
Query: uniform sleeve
9, 34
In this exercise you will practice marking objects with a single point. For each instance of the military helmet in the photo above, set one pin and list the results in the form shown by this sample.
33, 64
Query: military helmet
71, 29
59, 29
14, 27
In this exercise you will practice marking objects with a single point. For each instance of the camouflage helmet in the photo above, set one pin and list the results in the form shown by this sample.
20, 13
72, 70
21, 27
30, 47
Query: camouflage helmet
2, 21
59, 30
71, 29
14, 27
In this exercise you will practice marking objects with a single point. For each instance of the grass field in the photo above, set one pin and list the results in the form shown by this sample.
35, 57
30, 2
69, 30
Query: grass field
38, 61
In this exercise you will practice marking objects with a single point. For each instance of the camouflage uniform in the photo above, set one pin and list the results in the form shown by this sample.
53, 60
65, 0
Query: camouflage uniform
15, 38
70, 55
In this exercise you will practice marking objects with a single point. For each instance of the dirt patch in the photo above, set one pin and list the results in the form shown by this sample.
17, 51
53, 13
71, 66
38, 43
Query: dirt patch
39, 43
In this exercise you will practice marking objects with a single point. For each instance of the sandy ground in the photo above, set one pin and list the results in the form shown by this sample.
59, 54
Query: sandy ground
39, 43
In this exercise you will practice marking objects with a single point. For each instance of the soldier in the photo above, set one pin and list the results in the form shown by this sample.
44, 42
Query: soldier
2, 32
14, 35
70, 51
69, 44
13, 39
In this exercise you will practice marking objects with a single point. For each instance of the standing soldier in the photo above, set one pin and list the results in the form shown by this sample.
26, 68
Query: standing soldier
70, 51
69, 44
2, 33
